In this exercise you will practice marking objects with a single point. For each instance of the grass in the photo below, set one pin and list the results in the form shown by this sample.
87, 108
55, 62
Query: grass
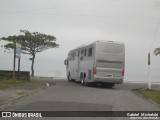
12, 83
27, 84
151, 94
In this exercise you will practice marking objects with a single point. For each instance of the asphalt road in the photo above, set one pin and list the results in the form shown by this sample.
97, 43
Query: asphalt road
71, 96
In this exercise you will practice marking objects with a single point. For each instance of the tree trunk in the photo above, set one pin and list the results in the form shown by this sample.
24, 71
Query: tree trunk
32, 66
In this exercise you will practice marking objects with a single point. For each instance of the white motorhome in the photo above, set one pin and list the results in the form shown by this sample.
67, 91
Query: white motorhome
99, 62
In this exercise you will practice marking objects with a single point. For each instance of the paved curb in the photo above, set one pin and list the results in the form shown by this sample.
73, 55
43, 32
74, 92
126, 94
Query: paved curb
10, 101
140, 95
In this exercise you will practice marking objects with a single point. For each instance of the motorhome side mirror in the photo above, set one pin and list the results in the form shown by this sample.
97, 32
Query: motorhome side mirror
65, 62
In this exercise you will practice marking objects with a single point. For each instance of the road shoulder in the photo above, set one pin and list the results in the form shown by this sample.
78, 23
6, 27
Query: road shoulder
9, 95
136, 92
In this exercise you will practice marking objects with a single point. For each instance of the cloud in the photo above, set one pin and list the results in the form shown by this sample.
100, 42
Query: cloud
75, 22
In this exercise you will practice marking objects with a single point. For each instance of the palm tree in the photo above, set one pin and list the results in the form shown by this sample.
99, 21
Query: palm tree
157, 51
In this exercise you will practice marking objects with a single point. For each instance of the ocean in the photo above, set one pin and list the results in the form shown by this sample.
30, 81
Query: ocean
127, 77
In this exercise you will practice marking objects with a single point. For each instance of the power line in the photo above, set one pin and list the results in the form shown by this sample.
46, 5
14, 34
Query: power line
81, 15
149, 57
67, 6
104, 1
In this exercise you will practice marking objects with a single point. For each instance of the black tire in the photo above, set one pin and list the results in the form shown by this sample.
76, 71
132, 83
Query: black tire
86, 83
82, 79
69, 78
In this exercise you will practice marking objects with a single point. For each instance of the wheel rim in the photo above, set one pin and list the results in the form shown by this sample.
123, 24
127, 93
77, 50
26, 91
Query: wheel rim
82, 81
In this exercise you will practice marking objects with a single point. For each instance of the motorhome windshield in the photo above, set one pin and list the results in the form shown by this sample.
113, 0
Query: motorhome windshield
110, 48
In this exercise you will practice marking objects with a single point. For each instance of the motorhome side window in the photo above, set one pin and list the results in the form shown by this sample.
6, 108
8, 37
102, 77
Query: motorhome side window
90, 52
67, 62
72, 56
81, 51
69, 57
85, 52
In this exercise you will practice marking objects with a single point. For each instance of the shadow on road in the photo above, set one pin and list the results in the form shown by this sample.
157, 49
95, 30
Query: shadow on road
123, 86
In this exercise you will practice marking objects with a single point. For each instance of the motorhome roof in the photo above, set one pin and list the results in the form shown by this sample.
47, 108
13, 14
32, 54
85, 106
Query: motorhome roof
79, 47
99, 41
109, 41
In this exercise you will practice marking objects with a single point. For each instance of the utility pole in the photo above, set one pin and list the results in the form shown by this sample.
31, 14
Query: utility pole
149, 57
19, 60
149, 71
18, 55
14, 60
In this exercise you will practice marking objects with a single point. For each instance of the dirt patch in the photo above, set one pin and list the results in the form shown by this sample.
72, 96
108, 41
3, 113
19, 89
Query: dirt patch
16, 91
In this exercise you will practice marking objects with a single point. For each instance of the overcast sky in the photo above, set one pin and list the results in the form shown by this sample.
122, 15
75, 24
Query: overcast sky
75, 22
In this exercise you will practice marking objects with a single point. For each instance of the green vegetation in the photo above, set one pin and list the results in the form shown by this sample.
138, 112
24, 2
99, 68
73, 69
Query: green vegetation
151, 94
26, 84
12, 83
8, 74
